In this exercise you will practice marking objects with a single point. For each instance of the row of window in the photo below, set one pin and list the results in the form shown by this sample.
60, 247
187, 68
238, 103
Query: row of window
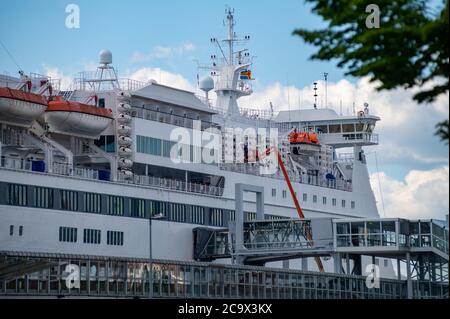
158, 147
42, 197
11, 230
315, 199
90, 236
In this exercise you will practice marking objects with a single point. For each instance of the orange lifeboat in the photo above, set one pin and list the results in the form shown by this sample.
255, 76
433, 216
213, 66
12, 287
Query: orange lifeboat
74, 118
303, 138
19, 107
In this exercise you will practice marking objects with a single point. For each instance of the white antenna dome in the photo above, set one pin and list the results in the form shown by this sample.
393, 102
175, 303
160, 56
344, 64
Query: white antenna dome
206, 84
105, 57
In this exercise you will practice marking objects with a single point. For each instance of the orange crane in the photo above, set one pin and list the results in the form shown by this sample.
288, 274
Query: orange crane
294, 197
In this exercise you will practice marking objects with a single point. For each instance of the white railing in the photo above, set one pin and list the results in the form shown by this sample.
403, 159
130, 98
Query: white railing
372, 138
168, 118
308, 180
93, 174
172, 184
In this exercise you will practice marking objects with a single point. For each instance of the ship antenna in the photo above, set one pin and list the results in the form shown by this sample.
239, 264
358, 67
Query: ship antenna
325, 75
11, 56
231, 35
315, 95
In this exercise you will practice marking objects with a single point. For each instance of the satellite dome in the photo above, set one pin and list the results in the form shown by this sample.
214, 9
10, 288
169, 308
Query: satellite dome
206, 84
105, 57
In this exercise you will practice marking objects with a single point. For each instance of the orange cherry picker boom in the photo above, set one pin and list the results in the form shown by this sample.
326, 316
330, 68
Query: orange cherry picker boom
294, 197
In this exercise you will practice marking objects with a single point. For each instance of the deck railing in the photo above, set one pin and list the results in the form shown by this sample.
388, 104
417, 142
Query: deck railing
93, 174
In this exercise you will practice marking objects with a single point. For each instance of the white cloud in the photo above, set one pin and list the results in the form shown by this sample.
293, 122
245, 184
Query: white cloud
406, 128
66, 81
162, 52
162, 77
422, 194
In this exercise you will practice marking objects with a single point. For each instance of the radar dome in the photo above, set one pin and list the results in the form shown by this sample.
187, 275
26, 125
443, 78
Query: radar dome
206, 84
105, 57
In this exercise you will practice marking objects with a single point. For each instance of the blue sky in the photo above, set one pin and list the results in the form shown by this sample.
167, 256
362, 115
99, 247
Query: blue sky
412, 162
35, 33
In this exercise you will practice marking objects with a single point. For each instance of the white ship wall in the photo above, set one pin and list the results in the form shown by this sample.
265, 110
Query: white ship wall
41, 232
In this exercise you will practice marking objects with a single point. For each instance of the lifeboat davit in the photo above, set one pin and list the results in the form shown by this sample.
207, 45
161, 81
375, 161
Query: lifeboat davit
303, 138
303, 143
74, 118
19, 107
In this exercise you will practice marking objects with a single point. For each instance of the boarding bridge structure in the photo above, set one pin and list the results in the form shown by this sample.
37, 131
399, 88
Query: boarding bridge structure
420, 245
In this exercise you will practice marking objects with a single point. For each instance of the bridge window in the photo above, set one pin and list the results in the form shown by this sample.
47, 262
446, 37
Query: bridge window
322, 129
335, 128
11, 230
314, 199
20, 230
274, 192
352, 204
348, 128
67, 234
284, 194
324, 200
305, 197
359, 127
343, 203
334, 201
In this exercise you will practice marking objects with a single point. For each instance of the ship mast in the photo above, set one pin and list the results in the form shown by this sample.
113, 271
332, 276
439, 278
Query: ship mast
233, 76
231, 35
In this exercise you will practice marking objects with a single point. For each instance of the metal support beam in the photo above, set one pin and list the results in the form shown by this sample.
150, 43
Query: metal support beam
409, 287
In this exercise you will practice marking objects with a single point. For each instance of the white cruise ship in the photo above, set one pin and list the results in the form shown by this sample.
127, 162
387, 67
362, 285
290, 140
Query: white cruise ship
102, 176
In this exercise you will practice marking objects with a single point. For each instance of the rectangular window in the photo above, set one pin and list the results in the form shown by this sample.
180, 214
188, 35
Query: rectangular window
67, 234
137, 208
92, 203
11, 230
148, 145
198, 215
274, 192
17, 195
158, 208
20, 230
69, 200
43, 197
353, 204
114, 238
305, 197
348, 128
216, 217
284, 194
324, 200
335, 128
115, 205
177, 212
251, 216
343, 203
91, 236
334, 201
314, 199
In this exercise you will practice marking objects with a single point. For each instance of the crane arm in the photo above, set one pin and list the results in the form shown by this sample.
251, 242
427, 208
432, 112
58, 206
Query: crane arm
296, 202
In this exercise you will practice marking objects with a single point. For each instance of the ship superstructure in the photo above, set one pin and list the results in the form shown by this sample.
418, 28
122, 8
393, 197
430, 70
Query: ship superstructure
95, 170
